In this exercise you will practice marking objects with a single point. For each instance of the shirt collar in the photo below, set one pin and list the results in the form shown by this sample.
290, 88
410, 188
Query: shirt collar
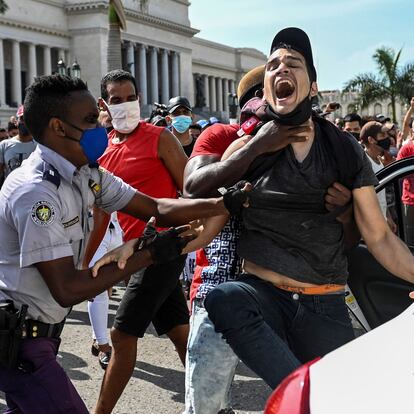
65, 168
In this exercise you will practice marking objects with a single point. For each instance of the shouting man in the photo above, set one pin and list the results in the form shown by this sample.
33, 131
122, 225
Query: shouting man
290, 307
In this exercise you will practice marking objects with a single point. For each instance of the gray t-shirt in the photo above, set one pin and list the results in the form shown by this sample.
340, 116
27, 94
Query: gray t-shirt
13, 152
285, 197
45, 215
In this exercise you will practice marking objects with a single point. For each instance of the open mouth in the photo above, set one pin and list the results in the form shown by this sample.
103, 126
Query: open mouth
284, 89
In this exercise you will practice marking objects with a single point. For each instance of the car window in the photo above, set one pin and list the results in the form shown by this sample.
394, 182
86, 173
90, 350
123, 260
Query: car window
396, 197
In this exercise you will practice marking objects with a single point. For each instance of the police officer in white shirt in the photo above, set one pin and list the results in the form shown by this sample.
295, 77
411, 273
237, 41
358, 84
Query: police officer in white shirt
44, 227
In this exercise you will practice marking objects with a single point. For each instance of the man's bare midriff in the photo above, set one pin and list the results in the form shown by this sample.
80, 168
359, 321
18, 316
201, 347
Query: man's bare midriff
273, 277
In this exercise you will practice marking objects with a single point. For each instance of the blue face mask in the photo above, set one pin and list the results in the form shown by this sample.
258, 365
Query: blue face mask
181, 123
93, 142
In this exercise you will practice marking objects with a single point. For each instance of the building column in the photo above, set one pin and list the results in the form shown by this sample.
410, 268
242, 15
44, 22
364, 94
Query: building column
226, 95
2, 80
32, 63
62, 55
154, 75
206, 90
219, 94
143, 74
213, 101
175, 75
47, 60
16, 73
131, 58
232, 86
165, 85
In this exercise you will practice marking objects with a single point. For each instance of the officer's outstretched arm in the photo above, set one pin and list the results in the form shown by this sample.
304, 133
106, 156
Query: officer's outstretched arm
70, 286
173, 212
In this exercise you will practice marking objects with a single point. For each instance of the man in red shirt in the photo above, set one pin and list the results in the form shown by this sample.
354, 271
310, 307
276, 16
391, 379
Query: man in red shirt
150, 159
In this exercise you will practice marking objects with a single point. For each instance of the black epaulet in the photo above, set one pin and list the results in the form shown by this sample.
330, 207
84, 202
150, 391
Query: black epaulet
51, 174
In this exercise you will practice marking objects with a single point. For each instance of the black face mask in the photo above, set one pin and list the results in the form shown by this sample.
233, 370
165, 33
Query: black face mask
23, 131
384, 144
355, 135
297, 117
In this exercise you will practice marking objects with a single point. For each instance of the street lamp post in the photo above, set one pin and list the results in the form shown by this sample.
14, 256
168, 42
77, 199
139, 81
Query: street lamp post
76, 70
233, 105
73, 72
61, 67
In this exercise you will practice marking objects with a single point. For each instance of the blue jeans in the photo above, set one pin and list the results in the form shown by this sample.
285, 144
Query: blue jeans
274, 331
209, 367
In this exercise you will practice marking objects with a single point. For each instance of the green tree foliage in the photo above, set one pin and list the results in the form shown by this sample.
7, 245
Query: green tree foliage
391, 82
3, 6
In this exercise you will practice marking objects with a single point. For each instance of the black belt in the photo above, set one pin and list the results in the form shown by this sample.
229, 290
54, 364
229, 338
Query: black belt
37, 329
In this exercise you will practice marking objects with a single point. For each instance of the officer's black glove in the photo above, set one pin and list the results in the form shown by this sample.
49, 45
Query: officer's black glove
167, 245
235, 197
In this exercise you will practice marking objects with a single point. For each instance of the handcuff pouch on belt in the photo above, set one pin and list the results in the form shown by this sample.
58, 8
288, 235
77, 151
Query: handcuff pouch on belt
11, 333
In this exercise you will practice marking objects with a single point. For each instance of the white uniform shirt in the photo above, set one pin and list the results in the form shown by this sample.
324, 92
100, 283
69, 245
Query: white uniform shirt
44, 215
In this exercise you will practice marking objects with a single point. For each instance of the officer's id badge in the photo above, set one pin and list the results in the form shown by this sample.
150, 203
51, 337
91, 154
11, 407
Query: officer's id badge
95, 187
43, 213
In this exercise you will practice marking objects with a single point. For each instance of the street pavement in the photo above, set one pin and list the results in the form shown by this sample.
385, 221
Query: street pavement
157, 384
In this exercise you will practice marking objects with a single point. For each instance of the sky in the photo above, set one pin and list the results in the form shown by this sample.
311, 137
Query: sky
344, 33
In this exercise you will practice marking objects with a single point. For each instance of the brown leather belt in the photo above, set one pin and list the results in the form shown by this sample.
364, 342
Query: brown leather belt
314, 290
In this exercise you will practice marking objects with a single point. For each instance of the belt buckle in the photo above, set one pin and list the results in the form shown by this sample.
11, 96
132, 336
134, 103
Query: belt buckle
51, 330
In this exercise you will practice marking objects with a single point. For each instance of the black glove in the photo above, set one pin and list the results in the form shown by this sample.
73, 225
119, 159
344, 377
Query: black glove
149, 234
167, 245
234, 198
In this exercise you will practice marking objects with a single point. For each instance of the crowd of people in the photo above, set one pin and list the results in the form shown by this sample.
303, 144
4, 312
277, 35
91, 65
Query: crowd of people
254, 267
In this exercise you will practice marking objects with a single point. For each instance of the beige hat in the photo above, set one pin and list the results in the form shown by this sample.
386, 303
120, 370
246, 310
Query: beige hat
371, 129
249, 83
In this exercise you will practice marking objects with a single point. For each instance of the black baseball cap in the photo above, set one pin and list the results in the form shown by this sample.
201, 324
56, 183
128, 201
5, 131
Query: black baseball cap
298, 40
177, 101
382, 118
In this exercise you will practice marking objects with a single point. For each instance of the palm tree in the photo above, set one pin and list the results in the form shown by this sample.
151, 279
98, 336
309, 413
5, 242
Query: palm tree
117, 22
405, 83
3, 6
391, 82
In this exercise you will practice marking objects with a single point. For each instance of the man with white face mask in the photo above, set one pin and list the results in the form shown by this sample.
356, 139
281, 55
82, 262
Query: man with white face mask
181, 117
149, 158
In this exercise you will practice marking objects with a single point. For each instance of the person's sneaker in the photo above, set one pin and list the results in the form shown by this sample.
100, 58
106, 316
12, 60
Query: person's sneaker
104, 358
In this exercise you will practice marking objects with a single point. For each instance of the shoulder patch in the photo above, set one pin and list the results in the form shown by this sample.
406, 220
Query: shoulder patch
43, 213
